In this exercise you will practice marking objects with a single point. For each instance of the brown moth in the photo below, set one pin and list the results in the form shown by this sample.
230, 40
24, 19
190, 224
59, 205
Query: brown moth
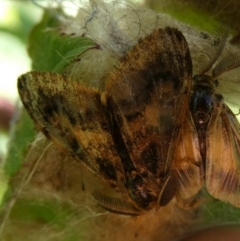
209, 141
150, 134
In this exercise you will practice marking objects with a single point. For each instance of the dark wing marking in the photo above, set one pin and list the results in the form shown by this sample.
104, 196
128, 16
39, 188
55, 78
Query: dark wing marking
73, 117
223, 156
188, 163
148, 95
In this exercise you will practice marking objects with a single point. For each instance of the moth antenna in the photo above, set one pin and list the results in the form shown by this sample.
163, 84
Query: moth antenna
214, 50
232, 61
115, 205
161, 192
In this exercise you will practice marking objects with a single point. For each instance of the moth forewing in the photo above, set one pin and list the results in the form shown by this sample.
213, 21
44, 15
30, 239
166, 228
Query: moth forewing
72, 116
223, 157
188, 164
148, 95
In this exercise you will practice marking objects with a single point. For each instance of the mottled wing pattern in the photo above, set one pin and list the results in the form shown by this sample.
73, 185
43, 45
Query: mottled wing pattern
73, 117
188, 163
149, 96
223, 156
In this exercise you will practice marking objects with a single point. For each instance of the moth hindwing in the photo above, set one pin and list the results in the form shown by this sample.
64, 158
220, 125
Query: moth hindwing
129, 139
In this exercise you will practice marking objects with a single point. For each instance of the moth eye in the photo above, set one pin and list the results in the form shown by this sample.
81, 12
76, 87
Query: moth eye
218, 97
195, 78
216, 82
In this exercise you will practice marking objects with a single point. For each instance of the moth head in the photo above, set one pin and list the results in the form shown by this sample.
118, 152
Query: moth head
143, 192
149, 191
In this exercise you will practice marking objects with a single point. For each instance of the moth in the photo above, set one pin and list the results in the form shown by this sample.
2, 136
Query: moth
155, 132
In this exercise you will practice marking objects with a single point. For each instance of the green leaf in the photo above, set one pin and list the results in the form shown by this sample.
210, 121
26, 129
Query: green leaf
23, 134
217, 212
51, 51
28, 210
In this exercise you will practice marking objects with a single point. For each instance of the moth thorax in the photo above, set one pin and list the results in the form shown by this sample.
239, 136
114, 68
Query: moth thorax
201, 104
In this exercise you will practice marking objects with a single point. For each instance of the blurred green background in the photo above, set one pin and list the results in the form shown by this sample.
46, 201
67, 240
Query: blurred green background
16, 20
